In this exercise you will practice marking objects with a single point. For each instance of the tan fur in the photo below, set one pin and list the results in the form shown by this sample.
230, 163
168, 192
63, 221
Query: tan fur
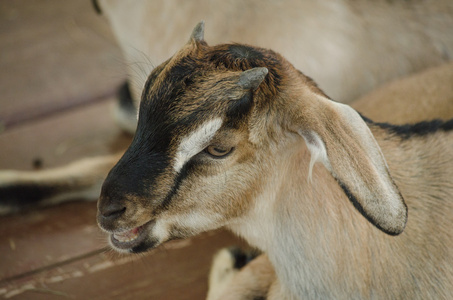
397, 257
422, 248
434, 87
320, 245
423, 96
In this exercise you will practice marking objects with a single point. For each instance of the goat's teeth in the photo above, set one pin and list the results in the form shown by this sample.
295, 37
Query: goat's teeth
126, 236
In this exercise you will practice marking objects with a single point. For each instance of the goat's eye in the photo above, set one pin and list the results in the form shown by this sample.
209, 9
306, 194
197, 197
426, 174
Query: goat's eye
218, 152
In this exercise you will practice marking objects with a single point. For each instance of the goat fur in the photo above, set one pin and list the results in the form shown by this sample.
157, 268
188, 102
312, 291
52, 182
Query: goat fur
320, 245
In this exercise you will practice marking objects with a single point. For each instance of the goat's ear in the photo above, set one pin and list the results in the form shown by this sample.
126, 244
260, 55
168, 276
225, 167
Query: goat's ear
338, 137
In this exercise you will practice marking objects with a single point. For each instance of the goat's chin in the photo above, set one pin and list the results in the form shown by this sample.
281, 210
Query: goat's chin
134, 240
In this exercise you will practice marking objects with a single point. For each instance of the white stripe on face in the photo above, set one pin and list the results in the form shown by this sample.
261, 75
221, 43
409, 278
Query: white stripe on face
195, 142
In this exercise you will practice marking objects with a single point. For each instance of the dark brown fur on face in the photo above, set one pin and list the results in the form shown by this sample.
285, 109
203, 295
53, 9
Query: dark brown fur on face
197, 84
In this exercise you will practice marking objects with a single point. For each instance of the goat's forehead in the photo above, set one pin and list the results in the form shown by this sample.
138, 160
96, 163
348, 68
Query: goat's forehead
183, 108
202, 71
200, 84
187, 95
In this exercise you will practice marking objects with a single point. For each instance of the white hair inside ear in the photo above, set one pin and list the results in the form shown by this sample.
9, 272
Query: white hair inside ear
318, 152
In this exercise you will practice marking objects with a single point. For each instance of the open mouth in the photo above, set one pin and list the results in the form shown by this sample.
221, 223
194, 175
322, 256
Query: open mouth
131, 238
127, 236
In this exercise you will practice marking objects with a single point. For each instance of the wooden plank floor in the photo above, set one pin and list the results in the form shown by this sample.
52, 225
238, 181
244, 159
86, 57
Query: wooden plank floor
59, 71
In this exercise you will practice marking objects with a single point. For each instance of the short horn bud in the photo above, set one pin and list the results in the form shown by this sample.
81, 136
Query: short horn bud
198, 32
252, 78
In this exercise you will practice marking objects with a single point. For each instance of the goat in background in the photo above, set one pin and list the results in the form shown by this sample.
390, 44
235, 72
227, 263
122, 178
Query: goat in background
230, 135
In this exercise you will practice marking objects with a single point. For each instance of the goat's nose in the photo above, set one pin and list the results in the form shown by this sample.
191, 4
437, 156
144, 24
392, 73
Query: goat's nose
112, 210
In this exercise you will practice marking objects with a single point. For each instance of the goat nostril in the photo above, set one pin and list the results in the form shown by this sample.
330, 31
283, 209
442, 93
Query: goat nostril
113, 211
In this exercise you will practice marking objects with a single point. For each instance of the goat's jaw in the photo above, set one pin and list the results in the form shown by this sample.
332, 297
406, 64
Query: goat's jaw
134, 240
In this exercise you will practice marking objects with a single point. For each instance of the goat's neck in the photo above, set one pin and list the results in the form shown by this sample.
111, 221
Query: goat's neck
317, 240
288, 222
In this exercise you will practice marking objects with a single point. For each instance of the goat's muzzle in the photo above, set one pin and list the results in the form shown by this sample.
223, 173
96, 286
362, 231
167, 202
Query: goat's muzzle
109, 213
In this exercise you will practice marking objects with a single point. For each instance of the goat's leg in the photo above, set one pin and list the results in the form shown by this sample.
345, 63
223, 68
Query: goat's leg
231, 279
80, 180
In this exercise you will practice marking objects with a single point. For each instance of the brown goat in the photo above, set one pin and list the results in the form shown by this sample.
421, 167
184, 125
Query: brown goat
230, 135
